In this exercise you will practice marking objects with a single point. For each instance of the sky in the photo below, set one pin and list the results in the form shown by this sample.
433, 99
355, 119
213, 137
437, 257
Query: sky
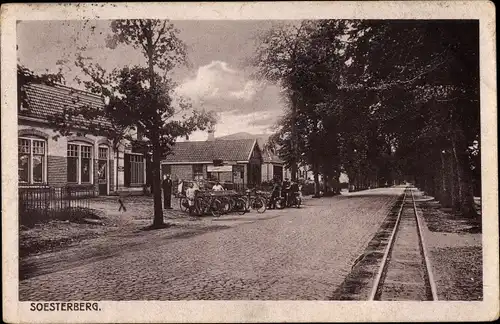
218, 77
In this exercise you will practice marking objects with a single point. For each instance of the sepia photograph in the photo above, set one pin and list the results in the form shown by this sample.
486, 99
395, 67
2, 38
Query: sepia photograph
165, 159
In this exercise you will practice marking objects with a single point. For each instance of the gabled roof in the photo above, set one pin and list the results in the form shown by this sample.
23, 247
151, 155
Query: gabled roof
48, 100
267, 156
207, 151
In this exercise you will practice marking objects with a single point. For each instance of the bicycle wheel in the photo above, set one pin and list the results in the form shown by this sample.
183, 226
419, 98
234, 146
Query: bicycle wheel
299, 202
225, 205
232, 203
259, 204
280, 203
240, 206
216, 208
183, 204
200, 206
248, 203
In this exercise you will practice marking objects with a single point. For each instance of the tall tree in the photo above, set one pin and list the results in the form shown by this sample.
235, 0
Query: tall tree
277, 60
163, 50
428, 85
142, 99
296, 57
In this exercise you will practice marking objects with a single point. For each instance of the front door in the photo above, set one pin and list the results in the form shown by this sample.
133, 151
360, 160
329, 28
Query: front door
102, 171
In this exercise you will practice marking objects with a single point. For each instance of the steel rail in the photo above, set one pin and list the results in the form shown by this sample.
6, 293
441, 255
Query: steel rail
387, 251
428, 266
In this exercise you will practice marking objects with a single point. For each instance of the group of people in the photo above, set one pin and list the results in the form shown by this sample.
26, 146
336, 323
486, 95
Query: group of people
190, 191
167, 191
285, 188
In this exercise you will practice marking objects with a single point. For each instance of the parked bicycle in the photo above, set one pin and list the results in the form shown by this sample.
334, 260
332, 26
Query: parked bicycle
205, 204
255, 200
231, 202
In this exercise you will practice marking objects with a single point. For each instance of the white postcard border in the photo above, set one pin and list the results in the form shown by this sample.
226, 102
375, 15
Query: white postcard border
255, 311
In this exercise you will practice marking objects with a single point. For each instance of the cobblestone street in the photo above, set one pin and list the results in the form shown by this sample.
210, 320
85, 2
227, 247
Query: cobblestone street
288, 254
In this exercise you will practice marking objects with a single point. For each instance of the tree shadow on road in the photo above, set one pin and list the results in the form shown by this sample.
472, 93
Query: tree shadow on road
156, 227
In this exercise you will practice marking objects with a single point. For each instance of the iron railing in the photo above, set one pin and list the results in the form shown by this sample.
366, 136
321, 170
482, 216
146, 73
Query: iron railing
53, 202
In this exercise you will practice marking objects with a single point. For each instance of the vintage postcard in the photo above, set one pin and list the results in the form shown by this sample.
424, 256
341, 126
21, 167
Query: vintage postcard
249, 162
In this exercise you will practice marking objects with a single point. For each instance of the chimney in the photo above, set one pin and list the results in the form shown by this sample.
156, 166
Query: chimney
211, 135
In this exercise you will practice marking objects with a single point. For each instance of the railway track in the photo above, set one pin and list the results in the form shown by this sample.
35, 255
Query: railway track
405, 272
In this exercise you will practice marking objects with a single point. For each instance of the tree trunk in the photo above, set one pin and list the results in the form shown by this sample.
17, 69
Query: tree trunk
316, 181
155, 168
465, 203
450, 181
117, 154
155, 140
458, 175
446, 191
325, 184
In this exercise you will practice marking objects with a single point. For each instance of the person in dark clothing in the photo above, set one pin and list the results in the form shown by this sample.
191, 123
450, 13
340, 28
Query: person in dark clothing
286, 190
167, 191
275, 193
294, 191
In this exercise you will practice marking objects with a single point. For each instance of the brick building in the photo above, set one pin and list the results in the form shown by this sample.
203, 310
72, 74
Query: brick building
87, 160
236, 161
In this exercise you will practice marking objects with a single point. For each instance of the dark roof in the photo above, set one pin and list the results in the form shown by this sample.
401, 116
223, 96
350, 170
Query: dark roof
207, 151
48, 100
267, 156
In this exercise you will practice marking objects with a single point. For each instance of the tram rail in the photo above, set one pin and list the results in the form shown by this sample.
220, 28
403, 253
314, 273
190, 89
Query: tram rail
405, 272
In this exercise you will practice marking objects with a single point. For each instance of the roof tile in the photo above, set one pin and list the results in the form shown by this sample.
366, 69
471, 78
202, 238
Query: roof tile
207, 151
46, 100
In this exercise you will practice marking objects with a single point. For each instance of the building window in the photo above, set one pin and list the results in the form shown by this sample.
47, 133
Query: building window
197, 171
102, 164
32, 160
79, 163
103, 153
134, 170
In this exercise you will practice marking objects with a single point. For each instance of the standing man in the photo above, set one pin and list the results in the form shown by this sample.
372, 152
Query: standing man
275, 193
218, 187
167, 191
286, 190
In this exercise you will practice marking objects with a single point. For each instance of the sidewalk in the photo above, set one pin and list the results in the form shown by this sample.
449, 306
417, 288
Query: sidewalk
455, 247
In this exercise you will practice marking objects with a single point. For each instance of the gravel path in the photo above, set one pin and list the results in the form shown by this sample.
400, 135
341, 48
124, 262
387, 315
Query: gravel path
291, 254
